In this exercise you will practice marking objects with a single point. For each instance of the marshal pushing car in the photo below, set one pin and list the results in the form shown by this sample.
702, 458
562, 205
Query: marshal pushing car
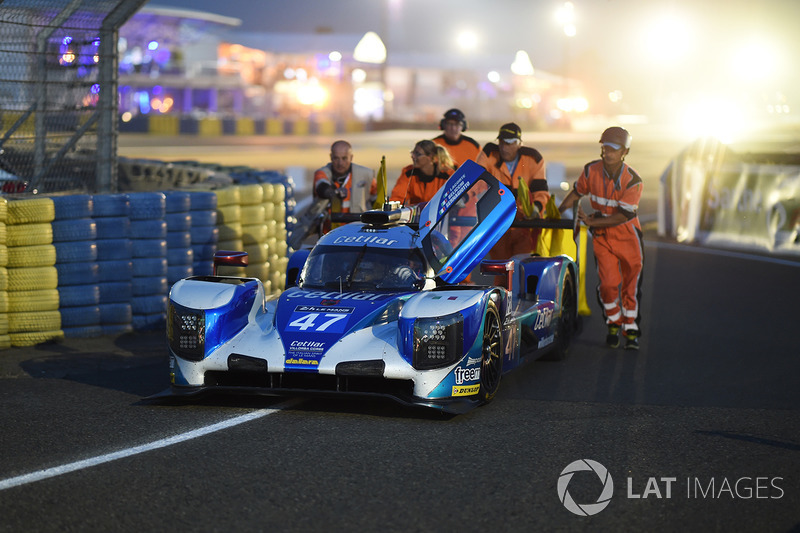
380, 307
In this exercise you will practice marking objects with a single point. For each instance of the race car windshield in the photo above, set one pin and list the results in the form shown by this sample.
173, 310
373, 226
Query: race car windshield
362, 268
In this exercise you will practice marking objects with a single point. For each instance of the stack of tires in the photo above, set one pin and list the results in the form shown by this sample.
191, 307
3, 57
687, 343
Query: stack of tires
275, 194
229, 224
180, 256
285, 195
114, 262
32, 302
74, 238
255, 232
5, 340
149, 251
204, 231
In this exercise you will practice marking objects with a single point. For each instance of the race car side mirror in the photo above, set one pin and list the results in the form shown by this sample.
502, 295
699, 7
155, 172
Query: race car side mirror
230, 258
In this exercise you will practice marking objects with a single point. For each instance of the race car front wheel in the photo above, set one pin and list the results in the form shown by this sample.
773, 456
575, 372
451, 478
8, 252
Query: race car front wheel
492, 357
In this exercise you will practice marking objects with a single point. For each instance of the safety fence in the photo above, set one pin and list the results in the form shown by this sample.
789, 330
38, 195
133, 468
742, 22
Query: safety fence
714, 196
58, 91
90, 265
213, 127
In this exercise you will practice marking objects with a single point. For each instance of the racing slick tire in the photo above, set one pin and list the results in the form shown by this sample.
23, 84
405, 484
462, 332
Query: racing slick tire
492, 354
568, 322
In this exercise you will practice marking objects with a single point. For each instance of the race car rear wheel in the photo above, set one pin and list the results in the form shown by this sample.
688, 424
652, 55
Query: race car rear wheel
492, 356
568, 321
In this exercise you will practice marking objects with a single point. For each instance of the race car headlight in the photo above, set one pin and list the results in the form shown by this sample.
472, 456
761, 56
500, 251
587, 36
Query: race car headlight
186, 332
438, 342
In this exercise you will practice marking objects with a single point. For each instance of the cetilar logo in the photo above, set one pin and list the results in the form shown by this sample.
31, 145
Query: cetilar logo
586, 509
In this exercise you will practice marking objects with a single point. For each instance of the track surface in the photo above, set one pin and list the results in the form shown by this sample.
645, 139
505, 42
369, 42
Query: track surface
709, 408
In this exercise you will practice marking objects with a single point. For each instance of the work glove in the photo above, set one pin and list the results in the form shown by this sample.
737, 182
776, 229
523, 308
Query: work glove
325, 191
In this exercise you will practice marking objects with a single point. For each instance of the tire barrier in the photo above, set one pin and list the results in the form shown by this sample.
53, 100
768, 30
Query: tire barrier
141, 175
5, 339
88, 265
229, 225
148, 212
75, 240
255, 232
279, 205
191, 126
114, 262
180, 256
31, 302
204, 232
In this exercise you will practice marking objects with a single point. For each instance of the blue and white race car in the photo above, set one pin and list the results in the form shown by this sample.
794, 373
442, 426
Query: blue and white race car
379, 307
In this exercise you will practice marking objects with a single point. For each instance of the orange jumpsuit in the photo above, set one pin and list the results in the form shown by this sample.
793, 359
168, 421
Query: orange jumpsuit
618, 250
414, 188
530, 167
465, 148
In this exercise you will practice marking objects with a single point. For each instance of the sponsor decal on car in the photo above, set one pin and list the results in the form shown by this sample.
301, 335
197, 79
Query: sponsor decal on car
546, 341
361, 239
305, 353
454, 193
301, 361
544, 318
328, 295
466, 375
466, 390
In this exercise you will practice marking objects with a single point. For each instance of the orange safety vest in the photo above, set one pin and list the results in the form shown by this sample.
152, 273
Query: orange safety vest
414, 188
461, 150
619, 250
530, 167
611, 194
360, 184
361, 187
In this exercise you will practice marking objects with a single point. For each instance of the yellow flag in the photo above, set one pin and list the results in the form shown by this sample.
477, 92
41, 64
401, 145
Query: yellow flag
583, 305
551, 241
381, 179
551, 210
524, 195
554, 242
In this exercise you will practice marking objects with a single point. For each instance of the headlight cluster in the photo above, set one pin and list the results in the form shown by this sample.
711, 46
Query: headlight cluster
439, 341
186, 331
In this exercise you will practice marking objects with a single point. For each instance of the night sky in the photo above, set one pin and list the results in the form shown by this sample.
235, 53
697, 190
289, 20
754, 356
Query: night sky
714, 47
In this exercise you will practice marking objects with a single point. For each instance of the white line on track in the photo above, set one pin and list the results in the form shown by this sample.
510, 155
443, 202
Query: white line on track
723, 253
121, 454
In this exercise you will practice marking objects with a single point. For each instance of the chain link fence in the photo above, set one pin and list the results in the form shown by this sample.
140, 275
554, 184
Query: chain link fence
58, 94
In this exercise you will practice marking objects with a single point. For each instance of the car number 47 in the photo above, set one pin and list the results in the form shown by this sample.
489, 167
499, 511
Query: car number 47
317, 322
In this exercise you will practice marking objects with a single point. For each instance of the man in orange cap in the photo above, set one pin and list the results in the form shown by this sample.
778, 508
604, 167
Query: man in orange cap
521, 169
614, 190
